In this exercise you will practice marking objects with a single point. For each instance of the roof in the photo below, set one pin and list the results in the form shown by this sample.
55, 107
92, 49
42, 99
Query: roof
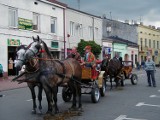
116, 39
84, 12
57, 2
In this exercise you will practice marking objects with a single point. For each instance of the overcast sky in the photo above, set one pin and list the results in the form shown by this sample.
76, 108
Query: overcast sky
146, 11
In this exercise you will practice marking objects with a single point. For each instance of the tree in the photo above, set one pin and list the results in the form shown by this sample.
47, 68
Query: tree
96, 48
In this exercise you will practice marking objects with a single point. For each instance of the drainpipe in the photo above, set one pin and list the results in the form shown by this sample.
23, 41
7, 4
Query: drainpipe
64, 32
93, 27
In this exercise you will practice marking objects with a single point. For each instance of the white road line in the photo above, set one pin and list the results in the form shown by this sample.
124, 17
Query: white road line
124, 117
143, 104
154, 96
37, 98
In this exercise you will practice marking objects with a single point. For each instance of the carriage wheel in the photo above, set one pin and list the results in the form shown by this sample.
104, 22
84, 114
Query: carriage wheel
103, 89
95, 94
66, 94
134, 79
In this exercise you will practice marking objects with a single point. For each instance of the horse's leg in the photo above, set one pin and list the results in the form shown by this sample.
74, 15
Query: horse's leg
55, 91
79, 95
72, 87
111, 81
48, 92
31, 86
40, 98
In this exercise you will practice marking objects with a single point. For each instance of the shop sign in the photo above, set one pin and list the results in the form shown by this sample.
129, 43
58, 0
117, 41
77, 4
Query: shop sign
13, 42
25, 24
54, 45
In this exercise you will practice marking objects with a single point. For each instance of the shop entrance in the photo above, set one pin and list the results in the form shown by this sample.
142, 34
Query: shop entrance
11, 57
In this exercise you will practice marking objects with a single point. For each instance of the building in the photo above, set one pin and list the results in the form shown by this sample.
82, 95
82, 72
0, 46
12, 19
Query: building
22, 19
82, 25
120, 47
149, 42
120, 38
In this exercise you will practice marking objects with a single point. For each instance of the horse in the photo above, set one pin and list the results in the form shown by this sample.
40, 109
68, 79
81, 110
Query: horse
31, 71
54, 73
112, 69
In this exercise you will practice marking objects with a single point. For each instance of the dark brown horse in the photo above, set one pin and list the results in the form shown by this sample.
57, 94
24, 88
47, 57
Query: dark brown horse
30, 74
54, 73
113, 69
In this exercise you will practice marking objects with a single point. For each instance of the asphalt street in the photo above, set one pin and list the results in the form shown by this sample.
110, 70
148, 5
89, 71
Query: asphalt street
132, 102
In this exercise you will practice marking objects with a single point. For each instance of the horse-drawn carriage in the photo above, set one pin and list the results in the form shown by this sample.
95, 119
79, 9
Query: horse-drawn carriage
127, 72
92, 83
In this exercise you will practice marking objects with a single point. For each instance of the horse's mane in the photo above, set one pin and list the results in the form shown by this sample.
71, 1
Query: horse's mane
46, 49
21, 47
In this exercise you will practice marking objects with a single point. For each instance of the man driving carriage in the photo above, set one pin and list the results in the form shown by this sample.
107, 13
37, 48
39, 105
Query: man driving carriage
89, 58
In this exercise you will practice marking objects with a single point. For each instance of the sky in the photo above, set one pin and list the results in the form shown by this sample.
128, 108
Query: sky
146, 11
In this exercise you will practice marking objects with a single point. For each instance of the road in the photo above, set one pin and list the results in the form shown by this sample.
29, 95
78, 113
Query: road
132, 102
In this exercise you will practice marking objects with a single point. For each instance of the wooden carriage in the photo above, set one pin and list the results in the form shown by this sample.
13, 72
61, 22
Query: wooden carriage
92, 83
127, 72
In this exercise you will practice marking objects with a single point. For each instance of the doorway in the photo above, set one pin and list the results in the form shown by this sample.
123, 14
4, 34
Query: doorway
11, 57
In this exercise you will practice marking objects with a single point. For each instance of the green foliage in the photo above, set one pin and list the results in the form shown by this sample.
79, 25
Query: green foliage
96, 49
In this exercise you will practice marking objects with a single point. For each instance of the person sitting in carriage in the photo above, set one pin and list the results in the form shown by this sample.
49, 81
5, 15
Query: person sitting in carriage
89, 58
74, 54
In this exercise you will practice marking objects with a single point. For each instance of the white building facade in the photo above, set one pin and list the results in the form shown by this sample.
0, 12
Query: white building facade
22, 19
81, 25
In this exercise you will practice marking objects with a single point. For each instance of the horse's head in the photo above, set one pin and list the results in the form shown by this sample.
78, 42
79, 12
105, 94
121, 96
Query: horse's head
37, 47
34, 48
20, 59
104, 64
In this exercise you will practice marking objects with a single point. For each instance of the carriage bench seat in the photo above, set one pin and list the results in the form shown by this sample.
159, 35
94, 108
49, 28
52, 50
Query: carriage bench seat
89, 73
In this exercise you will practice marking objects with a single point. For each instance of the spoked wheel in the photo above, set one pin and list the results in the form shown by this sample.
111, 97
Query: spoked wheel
134, 79
103, 89
95, 94
66, 94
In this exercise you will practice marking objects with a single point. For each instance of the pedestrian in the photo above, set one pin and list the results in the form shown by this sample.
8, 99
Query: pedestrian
10, 66
150, 70
1, 70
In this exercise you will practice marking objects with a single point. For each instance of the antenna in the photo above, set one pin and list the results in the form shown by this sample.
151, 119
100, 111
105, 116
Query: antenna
110, 15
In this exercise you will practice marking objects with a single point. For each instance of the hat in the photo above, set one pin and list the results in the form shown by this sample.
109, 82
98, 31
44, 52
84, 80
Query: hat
88, 47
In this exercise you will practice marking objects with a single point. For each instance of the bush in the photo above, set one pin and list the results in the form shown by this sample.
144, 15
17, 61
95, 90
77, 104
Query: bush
96, 48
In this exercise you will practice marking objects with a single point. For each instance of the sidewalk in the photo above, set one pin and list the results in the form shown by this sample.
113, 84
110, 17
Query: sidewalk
6, 84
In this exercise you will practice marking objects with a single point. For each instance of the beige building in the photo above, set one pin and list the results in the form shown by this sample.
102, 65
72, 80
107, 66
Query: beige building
149, 42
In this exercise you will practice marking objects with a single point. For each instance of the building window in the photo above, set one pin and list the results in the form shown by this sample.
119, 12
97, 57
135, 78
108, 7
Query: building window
96, 32
80, 30
149, 43
35, 21
90, 30
13, 17
145, 42
141, 44
157, 44
154, 44
53, 25
72, 28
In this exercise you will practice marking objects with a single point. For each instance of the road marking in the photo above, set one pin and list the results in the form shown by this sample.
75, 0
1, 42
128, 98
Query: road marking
37, 98
152, 96
143, 104
124, 117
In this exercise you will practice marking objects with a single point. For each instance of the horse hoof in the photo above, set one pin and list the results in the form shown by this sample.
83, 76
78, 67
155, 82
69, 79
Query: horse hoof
72, 108
39, 112
80, 109
33, 111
